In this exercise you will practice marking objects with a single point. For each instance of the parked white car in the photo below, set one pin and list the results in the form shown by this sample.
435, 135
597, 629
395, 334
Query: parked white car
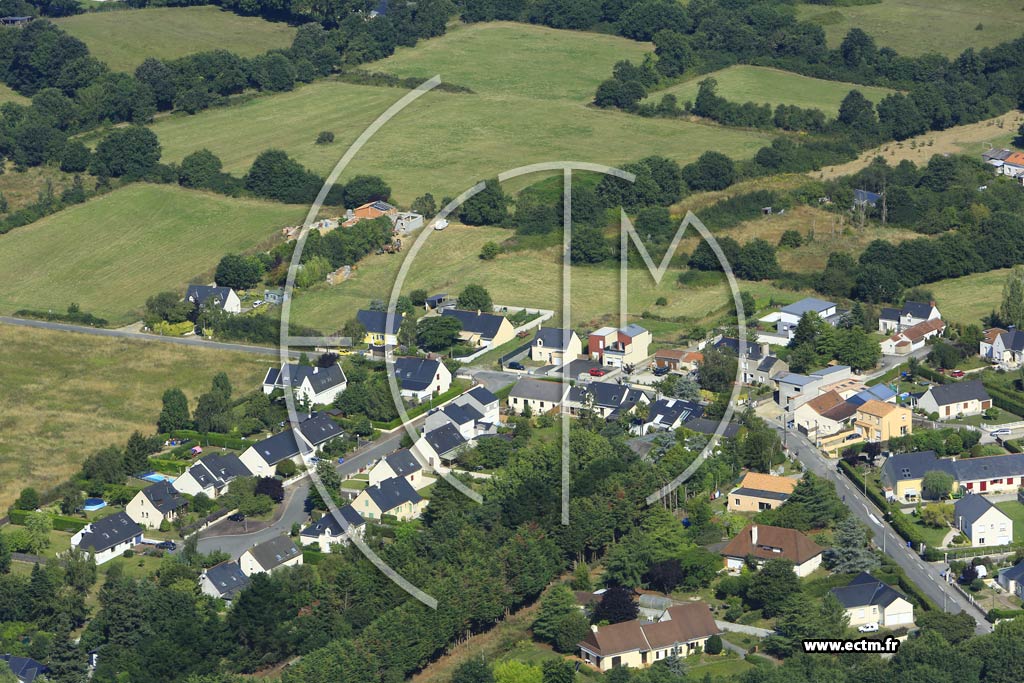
441, 224
868, 628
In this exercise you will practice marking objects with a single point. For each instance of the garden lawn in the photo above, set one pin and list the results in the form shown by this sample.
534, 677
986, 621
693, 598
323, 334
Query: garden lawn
124, 39
966, 299
932, 537
915, 27
1014, 511
78, 393
763, 85
141, 239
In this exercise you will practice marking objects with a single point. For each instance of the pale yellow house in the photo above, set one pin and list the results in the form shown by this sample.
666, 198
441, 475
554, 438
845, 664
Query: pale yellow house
155, 504
481, 329
869, 601
681, 631
395, 497
877, 421
758, 492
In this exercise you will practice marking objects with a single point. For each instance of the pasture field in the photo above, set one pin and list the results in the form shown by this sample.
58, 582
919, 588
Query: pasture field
8, 95
113, 252
21, 188
124, 39
971, 139
449, 260
916, 27
966, 299
529, 104
78, 393
762, 85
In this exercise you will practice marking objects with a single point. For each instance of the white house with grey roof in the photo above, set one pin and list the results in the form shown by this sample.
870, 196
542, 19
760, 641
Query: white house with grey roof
108, 537
209, 296
539, 395
441, 445
262, 458
789, 316
402, 464
212, 475
555, 346
669, 414
609, 400
224, 581
155, 504
1003, 346
870, 601
394, 497
757, 365
913, 313
421, 378
328, 530
1012, 579
956, 399
982, 522
270, 556
315, 385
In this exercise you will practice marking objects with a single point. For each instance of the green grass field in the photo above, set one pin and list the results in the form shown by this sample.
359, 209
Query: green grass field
1014, 511
763, 85
915, 27
8, 95
967, 299
111, 253
449, 260
535, 111
125, 39
77, 393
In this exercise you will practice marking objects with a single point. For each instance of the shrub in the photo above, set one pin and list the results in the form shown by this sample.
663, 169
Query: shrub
286, 469
714, 645
324, 137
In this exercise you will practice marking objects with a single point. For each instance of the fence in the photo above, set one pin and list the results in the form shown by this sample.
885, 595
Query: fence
515, 354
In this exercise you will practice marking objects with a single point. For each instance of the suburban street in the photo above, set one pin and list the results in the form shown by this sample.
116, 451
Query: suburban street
132, 334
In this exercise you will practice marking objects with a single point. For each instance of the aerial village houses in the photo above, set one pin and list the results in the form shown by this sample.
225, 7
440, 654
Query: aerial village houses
328, 531
870, 601
482, 330
678, 360
25, 669
262, 458
155, 504
395, 497
763, 543
108, 537
539, 396
473, 414
314, 385
208, 296
269, 556
554, 346
789, 316
911, 338
401, 464
1002, 346
419, 379
876, 421
1012, 579
608, 400
956, 399
212, 475
381, 328
982, 522
757, 365
224, 581
441, 444
758, 492
669, 414
902, 474
619, 347
682, 631
913, 313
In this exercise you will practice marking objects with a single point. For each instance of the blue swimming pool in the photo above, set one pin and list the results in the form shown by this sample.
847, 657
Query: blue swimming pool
93, 504
156, 476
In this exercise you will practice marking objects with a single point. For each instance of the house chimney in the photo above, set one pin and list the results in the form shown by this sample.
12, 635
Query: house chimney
753, 535
593, 627
764, 349
316, 369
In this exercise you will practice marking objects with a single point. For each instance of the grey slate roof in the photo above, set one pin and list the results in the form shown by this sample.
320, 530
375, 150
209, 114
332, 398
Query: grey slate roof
319, 428
444, 439
227, 579
879, 392
105, 533
217, 469
798, 308
667, 411
376, 321
538, 390
321, 379
990, 467
403, 462
903, 466
415, 374
461, 414
329, 523
916, 309
484, 324
482, 395
1014, 573
275, 552
277, 447
391, 493
796, 379
200, 295
733, 344
702, 425
24, 668
553, 338
959, 392
969, 510
1013, 340
760, 493
865, 590
164, 497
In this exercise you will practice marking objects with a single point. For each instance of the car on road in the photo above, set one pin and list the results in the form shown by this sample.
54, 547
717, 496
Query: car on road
341, 461
662, 371
598, 372
957, 373
237, 517
868, 628
1003, 431
167, 545
515, 365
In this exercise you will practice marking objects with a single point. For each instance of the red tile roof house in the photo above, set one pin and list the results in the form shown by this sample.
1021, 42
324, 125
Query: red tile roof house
764, 543
682, 630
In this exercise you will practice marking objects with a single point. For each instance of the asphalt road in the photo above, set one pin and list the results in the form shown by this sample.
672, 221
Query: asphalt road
924, 574
197, 342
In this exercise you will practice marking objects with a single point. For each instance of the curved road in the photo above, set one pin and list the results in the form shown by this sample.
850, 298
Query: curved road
198, 342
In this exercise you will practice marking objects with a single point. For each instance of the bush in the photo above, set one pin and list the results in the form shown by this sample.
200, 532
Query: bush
325, 137
286, 469
714, 645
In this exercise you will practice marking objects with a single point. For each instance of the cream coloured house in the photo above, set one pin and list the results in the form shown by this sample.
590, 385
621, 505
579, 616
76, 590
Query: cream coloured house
395, 497
982, 522
155, 504
869, 601
400, 464
328, 530
680, 632
270, 556
554, 346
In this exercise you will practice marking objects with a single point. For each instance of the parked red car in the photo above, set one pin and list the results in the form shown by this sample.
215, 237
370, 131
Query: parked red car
598, 372
957, 373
